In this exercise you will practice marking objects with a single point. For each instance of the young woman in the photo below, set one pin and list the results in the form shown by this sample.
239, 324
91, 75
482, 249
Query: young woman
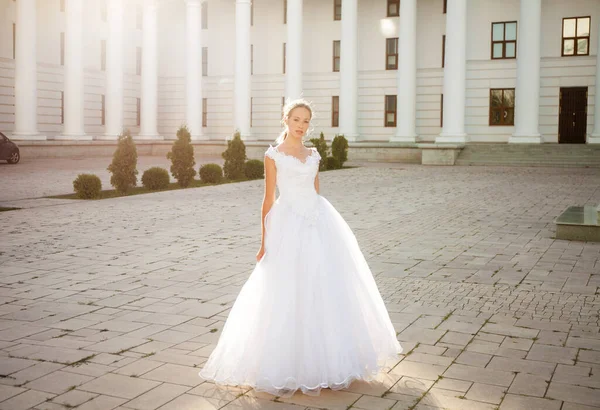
310, 315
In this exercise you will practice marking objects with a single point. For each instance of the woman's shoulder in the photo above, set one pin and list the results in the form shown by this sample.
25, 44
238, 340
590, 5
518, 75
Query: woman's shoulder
272, 152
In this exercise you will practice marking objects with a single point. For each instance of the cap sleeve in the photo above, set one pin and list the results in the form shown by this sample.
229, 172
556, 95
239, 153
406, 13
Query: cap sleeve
316, 153
271, 152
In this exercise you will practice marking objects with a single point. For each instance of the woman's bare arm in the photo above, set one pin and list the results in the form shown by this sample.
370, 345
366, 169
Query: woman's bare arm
269, 197
317, 182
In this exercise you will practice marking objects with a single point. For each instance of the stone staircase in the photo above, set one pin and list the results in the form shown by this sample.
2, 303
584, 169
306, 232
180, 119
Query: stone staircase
531, 155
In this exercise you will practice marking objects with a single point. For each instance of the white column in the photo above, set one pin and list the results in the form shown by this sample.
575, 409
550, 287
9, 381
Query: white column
26, 73
594, 137
242, 68
193, 33
527, 92
149, 108
406, 128
455, 69
349, 71
294, 62
73, 73
114, 71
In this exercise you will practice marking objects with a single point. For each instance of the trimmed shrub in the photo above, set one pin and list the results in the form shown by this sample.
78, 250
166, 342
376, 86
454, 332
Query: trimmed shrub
124, 163
255, 169
333, 163
321, 145
235, 158
155, 178
182, 158
211, 173
339, 149
87, 186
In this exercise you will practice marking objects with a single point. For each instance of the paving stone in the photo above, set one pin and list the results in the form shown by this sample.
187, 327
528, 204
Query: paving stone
552, 354
419, 370
473, 359
173, 373
453, 384
119, 386
451, 400
486, 393
525, 366
25, 400
156, 397
513, 402
7, 392
374, 403
573, 394
478, 375
102, 402
58, 382
529, 385
74, 398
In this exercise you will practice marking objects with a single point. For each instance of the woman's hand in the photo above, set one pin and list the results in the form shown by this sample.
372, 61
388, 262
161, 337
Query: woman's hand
260, 253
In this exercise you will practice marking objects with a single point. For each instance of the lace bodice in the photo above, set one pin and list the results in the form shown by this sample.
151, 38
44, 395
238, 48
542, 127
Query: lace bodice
296, 180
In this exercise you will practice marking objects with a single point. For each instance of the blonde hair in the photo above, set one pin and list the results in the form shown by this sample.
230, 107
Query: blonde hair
287, 110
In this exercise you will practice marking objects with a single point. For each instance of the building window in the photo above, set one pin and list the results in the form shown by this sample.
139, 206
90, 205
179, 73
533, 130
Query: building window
445, 7
576, 36
104, 10
14, 41
502, 106
103, 113
251, 110
251, 59
252, 13
337, 10
504, 40
335, 111
390, 110
391, 54
443, 51
139, 17
204, 61
138, 112
138, 61
62, 48
62, 107
284, 11
103, 55
204, 111
282, 105
336, 55
393, 8
283, 58
204, 11
442, 110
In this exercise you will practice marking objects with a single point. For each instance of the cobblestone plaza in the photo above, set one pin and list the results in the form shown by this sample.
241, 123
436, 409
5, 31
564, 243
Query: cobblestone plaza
116, 304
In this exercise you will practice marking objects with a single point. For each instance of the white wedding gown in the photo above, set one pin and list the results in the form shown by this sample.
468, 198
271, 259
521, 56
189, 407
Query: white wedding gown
310, 315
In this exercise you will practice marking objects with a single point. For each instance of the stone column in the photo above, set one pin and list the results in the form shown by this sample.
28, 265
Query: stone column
114, 71
406, 130
149, 108
26, 73
455, 73
349, 71
293, 69
594, 137
243, 83
193, 33
527, 92
73, 73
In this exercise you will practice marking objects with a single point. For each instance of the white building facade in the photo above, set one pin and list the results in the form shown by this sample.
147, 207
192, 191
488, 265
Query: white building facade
406, 71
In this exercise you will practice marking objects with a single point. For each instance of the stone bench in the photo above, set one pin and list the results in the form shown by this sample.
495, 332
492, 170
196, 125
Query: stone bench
579, 223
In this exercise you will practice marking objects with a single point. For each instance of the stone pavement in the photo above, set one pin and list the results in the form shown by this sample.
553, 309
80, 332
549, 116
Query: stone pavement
116, 304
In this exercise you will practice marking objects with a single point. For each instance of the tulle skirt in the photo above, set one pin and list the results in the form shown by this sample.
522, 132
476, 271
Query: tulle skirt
310, 315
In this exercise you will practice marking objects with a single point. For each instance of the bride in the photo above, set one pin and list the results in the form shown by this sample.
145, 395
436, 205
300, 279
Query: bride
310, 315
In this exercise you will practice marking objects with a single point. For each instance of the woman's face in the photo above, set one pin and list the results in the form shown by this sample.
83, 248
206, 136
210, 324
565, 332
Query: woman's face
298, 122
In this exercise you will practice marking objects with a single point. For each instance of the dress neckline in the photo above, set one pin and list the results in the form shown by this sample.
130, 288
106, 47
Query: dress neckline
295, 157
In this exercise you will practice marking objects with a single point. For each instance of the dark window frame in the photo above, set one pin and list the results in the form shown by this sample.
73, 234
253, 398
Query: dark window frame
387, 56
138, 111
102, 55
338, 57
204, 112
443, 50
62, 107
285, 11
391, 3
251, 59
251, 110
445, 6
576, 38
204, 15
335, 111
284, 56
501, 108
388, 110
62, 48
102, 109
14, 41
503, 42
204, 61
337, 6
138, 60
251, 13
441, 110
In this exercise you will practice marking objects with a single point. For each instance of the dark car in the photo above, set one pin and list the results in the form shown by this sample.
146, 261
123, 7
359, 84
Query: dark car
9, 150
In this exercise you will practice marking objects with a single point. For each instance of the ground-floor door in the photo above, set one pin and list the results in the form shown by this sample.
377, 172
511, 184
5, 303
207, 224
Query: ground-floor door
572, 121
